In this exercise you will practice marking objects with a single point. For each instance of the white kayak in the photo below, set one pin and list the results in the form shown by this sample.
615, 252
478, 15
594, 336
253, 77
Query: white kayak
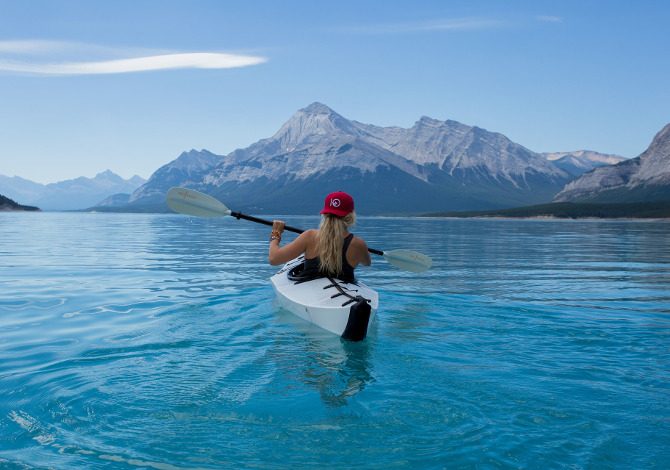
345, 309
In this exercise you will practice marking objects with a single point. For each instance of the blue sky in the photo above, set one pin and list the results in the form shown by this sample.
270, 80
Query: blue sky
128, 85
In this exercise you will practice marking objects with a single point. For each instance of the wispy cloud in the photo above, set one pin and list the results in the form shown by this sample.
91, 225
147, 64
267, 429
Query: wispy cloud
67, 58
444, 24
549, 19
33, 46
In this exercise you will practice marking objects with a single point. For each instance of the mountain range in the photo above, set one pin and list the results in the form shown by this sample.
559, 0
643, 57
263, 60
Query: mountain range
640, 179
73, 194
433, 165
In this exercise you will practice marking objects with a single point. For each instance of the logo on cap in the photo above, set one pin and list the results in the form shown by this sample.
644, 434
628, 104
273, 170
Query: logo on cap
338, 203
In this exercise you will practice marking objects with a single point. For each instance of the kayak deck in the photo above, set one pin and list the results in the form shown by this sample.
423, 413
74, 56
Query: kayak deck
329, 303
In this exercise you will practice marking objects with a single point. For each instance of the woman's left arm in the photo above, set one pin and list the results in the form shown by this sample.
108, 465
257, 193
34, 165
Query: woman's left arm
281, 254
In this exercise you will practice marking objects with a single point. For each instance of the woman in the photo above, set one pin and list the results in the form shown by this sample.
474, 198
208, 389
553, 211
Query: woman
330, 250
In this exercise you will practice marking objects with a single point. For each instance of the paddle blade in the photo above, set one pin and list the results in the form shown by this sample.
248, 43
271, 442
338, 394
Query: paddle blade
408, 260
191, 202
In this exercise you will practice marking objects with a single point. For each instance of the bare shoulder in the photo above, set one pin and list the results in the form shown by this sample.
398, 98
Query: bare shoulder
310, 234
359, 244
360, 248
309, 238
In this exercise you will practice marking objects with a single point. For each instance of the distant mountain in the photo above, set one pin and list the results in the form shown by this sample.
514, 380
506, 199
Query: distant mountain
7, 204
114, 200
579, 162
20, 189
74, 194
640, 179
434, 165
188, 169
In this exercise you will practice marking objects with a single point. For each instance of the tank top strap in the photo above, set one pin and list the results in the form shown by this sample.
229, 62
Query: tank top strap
347, 242
347, 269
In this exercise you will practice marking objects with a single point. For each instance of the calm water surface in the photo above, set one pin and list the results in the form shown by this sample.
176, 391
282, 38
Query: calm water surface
153, 341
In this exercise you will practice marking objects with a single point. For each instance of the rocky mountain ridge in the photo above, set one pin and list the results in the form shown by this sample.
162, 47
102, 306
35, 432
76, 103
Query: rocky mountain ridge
644, 178
186, 170
434, 165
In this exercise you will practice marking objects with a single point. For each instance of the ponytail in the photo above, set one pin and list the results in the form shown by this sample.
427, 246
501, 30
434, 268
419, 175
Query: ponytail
330, 240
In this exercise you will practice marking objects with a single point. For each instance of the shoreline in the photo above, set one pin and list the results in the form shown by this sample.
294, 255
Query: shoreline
389, 217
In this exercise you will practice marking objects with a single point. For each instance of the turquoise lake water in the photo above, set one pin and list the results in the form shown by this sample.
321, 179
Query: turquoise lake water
153, 341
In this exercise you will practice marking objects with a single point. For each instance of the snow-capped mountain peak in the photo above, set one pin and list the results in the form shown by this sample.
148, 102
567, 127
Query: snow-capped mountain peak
311, 123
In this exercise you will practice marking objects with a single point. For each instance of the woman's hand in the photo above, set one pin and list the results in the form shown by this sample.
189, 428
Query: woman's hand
278, 226
277, 230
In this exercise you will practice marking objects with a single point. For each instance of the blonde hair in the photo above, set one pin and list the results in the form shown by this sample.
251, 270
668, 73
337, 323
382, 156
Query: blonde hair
330, 240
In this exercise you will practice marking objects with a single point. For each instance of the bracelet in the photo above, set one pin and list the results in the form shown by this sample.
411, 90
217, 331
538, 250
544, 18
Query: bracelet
275, 235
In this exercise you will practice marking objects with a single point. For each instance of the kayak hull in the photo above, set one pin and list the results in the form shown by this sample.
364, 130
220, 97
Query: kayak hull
345, 310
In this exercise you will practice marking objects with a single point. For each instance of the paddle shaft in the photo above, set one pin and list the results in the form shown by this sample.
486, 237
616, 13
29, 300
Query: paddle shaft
251, 218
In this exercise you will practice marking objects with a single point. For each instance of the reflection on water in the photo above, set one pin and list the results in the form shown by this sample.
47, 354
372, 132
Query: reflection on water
338, 369
152, 341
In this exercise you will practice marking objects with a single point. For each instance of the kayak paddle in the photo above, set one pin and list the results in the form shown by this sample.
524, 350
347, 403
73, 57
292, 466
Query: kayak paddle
191, 202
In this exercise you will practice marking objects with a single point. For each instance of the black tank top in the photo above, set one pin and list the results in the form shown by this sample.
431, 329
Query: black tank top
311, 266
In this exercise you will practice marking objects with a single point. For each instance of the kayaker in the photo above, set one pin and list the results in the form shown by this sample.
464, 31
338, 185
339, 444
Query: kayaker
330, 250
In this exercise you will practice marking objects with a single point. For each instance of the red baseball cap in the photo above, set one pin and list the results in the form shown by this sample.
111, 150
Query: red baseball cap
338, 203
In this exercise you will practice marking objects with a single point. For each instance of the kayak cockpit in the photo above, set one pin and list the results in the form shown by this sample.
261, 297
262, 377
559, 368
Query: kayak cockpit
343, 308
